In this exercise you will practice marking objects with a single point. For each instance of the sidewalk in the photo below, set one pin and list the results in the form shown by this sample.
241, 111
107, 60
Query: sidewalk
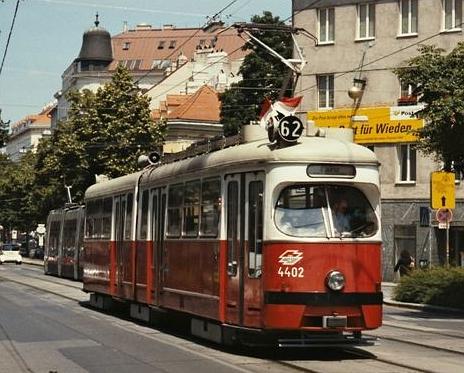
388, 289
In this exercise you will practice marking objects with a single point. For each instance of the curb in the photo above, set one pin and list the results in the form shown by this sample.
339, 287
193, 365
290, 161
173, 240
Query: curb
424, 307
33, 262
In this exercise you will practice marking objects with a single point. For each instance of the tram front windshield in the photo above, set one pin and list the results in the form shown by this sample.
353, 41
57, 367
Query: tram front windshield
324, 211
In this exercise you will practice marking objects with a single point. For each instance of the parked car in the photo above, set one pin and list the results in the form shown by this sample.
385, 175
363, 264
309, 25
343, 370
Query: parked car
24, 250
9, 252
36, 253
39, 252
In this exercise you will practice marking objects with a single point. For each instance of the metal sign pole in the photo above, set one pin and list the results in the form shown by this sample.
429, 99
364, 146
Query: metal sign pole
430, 237
447, 244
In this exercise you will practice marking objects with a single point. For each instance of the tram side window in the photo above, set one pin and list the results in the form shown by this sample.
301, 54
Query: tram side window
128, 220
54, 238
175, 210
106, 217
89, 219
144, 215
232, 227
191, 208
94, 218
210, 207
255, 227
69, 237
98, 219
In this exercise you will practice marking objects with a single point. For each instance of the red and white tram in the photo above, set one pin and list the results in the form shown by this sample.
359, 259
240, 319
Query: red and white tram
64, 242
245, 242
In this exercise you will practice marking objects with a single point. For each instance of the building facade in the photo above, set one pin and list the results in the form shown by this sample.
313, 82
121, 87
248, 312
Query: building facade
349, 81
162, 61
26, 133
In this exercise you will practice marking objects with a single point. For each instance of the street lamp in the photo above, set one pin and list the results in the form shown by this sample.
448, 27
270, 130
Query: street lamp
357, 90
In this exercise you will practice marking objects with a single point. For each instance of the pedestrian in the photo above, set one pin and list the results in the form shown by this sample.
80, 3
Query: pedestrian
405, 263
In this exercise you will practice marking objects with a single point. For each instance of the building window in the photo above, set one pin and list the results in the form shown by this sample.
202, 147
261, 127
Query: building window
325, 85
366, 21
126, 45
406, 163
160, 64
172, 44
408, 17
136, 65
161, 44
326, 25
452, 14
407, 96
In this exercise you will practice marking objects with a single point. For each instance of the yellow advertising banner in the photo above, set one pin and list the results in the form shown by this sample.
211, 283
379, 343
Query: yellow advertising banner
373, 124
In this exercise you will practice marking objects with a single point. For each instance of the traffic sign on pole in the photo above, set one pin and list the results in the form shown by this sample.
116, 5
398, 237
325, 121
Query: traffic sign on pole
444, 215
442, 190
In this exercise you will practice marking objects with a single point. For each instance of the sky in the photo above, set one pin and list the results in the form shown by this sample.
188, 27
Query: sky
47, 37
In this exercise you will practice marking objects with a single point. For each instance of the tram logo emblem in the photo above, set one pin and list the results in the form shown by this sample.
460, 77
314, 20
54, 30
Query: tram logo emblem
290, 257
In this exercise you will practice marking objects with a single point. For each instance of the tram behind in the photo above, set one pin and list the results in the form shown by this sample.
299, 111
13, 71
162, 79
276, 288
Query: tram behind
64, 242
253, 243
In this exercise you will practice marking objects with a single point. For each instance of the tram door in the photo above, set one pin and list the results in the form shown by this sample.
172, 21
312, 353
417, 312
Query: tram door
120, 223
244, 216
158, 218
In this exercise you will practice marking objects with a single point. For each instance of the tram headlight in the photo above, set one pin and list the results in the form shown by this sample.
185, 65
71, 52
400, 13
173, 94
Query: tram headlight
335, 280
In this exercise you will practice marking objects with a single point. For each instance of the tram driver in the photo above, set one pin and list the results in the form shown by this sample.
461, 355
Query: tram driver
341, 216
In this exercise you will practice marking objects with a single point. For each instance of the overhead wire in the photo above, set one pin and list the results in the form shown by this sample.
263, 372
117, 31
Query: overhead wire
301, 10
9, 35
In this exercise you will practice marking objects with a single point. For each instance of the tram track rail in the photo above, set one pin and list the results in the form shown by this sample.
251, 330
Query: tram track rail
286, 364
422, 330
383, 364
381, 335
13, 352
59, 280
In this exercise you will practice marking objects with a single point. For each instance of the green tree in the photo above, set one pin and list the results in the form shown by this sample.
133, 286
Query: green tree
17, 182
263, 76
439, 82
3, 131
105, 133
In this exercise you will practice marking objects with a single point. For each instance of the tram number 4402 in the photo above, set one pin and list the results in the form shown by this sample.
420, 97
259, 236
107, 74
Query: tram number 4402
291, 272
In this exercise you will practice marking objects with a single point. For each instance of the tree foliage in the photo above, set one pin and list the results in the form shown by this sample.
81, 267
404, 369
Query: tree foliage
439, 79
105, 133
3, 131
17, 180
263, 76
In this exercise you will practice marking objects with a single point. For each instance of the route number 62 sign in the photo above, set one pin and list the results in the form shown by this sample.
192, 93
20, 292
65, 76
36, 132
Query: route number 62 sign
290, 128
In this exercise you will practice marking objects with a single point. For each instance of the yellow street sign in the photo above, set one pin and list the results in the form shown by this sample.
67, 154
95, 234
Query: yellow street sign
442, 190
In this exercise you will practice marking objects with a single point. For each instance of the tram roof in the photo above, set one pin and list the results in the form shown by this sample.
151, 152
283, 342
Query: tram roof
118, 185
308, 149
